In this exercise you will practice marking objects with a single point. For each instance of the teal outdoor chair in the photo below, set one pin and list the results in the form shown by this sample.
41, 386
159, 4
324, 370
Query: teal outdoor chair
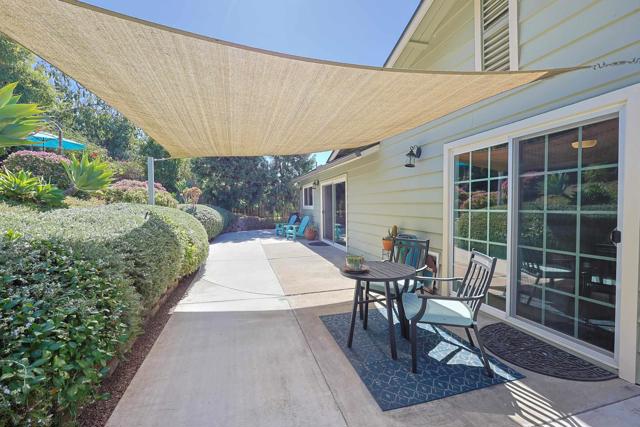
293, 231
407, 251
281, 226
459, 311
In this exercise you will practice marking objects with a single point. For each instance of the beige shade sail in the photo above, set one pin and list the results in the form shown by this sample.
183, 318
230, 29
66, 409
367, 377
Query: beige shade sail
198, 96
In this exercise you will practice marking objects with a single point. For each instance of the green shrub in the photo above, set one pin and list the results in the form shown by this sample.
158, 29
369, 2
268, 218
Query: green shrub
191, 235
227, 216
153, 246
63, 316
211, 219
23, 187
40, 163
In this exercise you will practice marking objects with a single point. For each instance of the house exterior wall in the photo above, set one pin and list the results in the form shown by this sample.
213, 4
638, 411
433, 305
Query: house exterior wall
552, 34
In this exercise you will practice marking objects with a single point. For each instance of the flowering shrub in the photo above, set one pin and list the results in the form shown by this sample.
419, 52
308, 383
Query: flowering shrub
40, 163
132, 184
132, 191
63, 317
128, 170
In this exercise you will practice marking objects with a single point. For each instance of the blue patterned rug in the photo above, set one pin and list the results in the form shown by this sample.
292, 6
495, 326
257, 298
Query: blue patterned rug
447, 364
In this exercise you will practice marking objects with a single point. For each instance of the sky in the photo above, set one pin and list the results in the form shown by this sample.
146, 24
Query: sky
353, 31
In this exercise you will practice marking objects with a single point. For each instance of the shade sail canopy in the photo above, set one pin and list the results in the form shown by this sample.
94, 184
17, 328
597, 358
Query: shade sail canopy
198, 96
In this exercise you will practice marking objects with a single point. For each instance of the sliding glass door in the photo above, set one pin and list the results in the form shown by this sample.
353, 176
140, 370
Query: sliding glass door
334, 213
561, 254
567, 216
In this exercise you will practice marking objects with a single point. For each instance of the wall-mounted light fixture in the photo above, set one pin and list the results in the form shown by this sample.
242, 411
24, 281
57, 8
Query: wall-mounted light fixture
316, 184
414, 153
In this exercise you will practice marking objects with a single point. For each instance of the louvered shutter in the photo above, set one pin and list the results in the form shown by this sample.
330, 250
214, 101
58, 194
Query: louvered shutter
495, 35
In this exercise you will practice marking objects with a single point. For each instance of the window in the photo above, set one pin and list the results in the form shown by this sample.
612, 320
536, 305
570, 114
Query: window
480, 213
493, 30
307, 197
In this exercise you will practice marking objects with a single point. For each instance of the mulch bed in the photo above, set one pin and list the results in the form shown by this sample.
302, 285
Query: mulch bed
97, 414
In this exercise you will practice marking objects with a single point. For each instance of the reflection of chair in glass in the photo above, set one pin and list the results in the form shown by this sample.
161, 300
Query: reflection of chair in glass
460, 311
550, 272
338, 232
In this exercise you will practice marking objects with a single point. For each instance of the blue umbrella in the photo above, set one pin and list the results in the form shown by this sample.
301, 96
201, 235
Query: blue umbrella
47, 140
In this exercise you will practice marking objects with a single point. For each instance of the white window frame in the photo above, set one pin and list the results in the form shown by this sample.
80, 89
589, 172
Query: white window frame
313, 197
514, 49
625, 103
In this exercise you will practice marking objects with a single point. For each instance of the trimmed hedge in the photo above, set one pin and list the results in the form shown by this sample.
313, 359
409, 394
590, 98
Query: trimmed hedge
73, 287
152, 245
211, 219
40, 163
63, 317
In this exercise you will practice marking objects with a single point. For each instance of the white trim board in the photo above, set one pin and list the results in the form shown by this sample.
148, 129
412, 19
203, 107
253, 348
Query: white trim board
625, 103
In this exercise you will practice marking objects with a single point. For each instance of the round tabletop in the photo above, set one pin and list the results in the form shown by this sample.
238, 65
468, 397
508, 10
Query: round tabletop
382, 271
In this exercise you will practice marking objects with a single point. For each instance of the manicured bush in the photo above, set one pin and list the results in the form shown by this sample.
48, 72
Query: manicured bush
63, 316
40, 163
227, 216
191, 234
211, 219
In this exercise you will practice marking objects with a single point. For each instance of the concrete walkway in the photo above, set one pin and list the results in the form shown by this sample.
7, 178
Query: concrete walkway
246, 347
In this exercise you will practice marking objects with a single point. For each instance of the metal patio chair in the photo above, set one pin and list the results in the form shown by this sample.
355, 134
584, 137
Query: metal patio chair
459, 311
407, 251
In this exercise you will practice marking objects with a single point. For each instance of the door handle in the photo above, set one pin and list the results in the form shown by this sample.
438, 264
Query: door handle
615, 237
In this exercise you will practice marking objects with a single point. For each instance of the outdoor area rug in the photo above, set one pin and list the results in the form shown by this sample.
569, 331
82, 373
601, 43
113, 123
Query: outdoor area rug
529, 352
447, 365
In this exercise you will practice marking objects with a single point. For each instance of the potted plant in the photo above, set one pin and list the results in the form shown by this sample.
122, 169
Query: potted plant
387, 242
354, 262
310, 232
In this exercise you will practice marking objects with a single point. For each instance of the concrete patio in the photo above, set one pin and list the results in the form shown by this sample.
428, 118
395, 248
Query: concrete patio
246, 347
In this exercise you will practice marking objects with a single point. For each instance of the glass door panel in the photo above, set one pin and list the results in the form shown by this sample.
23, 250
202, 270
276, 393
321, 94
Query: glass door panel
327, 212
340, 221
566, 210
480, 214
334, 213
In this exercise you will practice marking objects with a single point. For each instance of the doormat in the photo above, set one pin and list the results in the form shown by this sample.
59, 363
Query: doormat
447, 364
530, 353
318, 243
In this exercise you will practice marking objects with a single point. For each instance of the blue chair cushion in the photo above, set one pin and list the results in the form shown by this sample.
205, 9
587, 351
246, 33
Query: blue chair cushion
438, 310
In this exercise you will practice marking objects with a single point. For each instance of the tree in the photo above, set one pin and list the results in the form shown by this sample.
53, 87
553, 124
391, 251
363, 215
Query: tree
252, 185
166, 172
282, 195
234, 183
19, 65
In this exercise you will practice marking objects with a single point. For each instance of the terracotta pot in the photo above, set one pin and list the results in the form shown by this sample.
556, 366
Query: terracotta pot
310, 234
387, 245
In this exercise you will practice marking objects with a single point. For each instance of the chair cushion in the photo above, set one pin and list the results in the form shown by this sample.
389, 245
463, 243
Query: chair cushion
438, 310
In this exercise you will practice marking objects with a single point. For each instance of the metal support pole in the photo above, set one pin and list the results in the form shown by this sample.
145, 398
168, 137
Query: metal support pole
59, 140
151, 181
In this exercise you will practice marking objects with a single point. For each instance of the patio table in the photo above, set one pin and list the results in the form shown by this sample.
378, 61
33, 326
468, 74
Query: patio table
388, 273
